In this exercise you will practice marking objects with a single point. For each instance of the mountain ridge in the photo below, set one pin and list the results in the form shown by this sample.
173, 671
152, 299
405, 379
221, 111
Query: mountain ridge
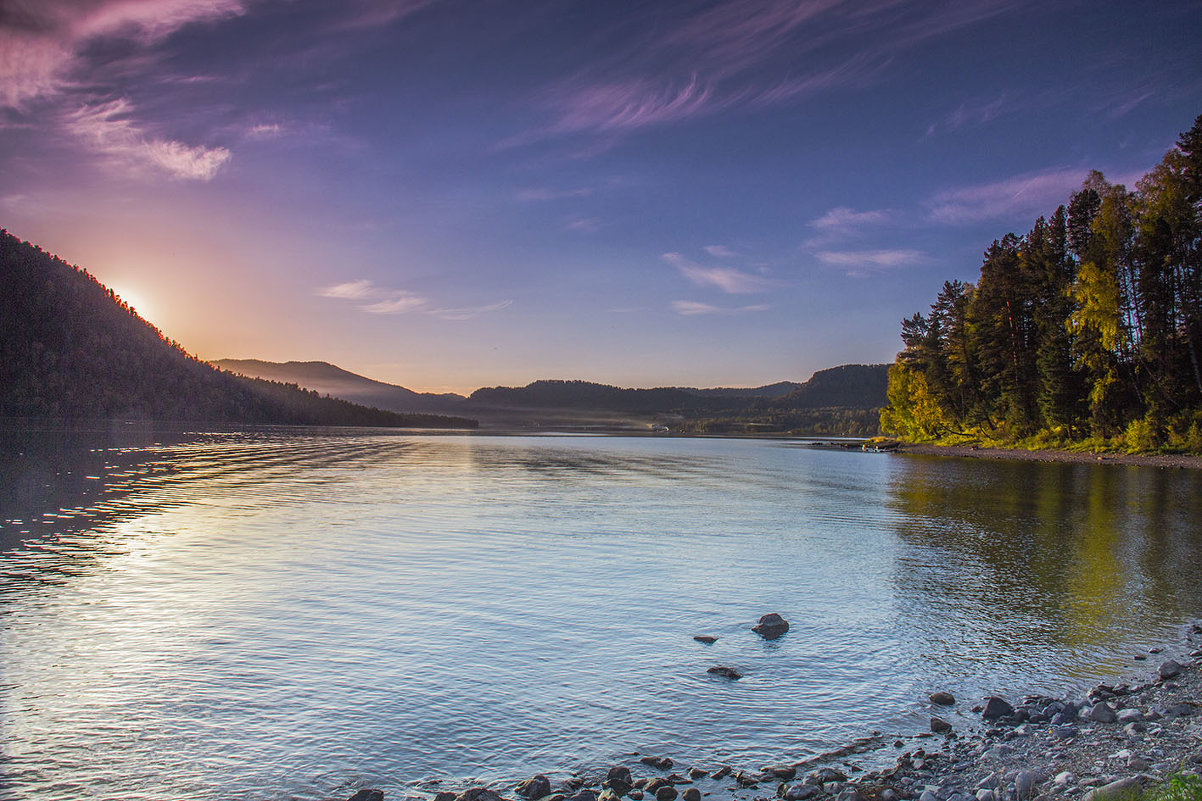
70, 348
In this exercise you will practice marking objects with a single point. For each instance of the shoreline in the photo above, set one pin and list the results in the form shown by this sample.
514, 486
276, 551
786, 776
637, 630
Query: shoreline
1176, 461
1134, 731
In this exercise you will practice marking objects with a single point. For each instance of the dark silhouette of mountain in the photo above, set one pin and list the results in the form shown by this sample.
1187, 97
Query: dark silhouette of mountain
70, 348
549, 394
329, 379
854, 386
779, 389
849, 386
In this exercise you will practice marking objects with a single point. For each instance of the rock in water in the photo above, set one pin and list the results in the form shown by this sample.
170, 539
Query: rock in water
940, 726
1168, 669
996, 708
478, 794
665, 793
727, 672
691, 794
535, 787
771, 626
619, 780
662, 763
942, 698
705, 638
367, 795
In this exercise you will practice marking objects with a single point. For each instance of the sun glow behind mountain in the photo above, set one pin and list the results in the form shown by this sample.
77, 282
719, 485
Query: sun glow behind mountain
141, 303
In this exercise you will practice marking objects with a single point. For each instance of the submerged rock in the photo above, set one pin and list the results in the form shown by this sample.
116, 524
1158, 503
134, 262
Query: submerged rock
727, 672
661, 763
534, 787
942, 698
478, 794
940, 726
367, 795
705, 638
771, 626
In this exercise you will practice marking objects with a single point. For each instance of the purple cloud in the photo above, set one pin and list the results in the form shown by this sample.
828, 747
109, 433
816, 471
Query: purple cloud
41, 41
632, 104
748, 53
107, 129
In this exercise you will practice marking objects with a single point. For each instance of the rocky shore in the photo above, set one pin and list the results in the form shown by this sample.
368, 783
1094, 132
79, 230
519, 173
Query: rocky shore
1096, 747
1178, 461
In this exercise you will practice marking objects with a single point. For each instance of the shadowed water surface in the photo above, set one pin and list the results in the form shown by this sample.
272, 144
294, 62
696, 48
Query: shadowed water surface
282, 614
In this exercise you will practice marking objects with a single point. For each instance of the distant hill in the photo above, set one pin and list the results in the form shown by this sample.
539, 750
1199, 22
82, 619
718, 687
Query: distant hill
549, 394
328, 379
850, 386
69, 348
779, 389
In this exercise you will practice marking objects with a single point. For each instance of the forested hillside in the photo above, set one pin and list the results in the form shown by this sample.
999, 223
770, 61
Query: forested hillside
1088, 328
70, 348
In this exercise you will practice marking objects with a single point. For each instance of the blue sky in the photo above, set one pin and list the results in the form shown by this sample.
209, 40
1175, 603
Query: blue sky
450, 194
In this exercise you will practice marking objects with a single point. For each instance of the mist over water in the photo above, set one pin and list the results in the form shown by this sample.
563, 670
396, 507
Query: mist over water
285, 614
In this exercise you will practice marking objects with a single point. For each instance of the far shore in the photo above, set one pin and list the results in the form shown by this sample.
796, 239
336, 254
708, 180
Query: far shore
1180, 461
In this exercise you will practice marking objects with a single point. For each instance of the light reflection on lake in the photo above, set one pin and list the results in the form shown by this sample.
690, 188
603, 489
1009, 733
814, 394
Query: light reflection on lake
282, 614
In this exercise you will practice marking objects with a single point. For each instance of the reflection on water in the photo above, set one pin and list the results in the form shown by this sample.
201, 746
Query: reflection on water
1064, 558
287, 614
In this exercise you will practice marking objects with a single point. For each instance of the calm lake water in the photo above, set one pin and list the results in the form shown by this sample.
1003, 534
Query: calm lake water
284, 614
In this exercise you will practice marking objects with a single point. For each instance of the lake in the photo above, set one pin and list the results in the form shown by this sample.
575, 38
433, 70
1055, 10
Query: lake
288, 614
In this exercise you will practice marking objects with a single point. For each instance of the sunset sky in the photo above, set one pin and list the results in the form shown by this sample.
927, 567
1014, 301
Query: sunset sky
450, 194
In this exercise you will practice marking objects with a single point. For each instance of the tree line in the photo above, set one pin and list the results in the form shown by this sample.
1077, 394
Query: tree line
1088, 328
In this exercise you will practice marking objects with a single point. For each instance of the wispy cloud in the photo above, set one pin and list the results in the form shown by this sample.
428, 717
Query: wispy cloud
266, 131
375, 299
727, 279
108, 129
632, 104
720, 252
859, 263
841, 223
978, 112
746, 53
397, 303
842, 219
689, 308
41, 42
468, 312
541, 193
351, 290
1030, 194
585, 225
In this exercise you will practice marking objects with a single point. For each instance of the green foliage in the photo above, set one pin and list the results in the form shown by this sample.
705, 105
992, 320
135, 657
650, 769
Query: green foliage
1086, 331
1179, 787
